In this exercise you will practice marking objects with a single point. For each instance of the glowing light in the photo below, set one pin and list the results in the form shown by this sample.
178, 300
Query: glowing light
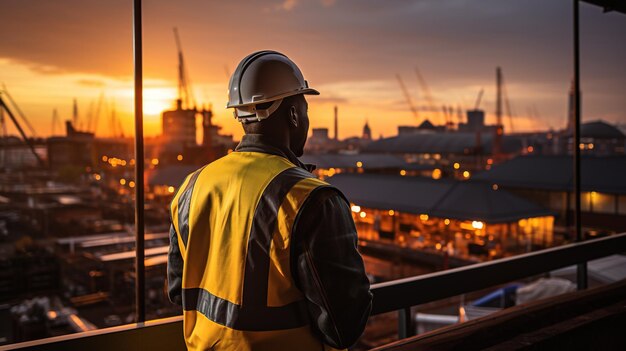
170, 189
179, 157
331, 172
466, 174
581, 146
446, 221
362, 214
155, 161
392, 212
97, 176
590, 146
494, 187
356, 209
436, 173
489, 161
438, 246
359, 164
458, 165
424, 217
132, 162
104, 158
530, 149
478, 225
122, 181
402, 172
131, 184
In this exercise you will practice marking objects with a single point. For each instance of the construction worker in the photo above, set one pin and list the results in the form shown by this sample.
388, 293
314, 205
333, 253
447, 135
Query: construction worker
263, 255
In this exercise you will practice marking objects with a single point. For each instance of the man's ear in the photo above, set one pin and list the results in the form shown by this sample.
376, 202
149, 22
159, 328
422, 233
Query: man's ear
293, 116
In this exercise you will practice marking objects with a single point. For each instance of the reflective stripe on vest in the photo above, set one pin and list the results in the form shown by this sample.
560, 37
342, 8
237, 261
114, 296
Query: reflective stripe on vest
253, 314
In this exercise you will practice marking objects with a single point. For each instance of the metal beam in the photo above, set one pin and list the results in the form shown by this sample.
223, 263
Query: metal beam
140, 307
581, 272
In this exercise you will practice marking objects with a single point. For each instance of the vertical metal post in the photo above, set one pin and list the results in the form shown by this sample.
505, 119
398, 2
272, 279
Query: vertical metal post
405, 323
140, 307
582, 267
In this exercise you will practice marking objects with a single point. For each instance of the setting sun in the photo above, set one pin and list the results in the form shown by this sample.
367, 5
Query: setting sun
156, 100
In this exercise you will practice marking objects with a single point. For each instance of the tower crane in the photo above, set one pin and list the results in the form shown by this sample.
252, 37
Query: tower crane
20, 113
479, 98
408, 97
184, 95
26, 140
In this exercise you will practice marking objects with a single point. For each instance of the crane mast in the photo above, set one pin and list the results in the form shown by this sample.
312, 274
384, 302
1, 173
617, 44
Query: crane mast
184, 95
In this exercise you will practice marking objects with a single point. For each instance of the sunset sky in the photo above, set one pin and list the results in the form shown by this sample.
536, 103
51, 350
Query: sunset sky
350, 50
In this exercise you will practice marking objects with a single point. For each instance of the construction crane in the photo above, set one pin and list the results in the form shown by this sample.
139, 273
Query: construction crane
26, 140
408, 97
479, 98
19, 111
184, 95
427, 94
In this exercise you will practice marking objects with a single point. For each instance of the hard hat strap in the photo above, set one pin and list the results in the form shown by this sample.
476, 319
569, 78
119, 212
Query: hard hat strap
248, 114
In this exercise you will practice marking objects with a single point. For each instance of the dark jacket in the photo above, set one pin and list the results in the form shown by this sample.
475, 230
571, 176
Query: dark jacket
325, 263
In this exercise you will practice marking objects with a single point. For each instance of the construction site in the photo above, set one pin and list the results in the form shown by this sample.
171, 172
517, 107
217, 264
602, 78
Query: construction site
447, 192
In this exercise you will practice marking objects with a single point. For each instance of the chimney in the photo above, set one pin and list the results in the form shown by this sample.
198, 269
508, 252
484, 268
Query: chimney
336, 125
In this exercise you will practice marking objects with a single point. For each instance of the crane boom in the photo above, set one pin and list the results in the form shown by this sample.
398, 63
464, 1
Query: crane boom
408, 97
479, 98
427, 94
27, 141
19, 111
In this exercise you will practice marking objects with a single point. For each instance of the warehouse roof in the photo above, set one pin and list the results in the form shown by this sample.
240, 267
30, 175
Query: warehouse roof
444, 143
463, 200
602, 174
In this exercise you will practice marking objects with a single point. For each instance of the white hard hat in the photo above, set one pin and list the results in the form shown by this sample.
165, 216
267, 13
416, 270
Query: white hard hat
263, 77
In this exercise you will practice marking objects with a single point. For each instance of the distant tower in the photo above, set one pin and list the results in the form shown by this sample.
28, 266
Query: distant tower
570, 109
207, 123
497, 138
336, 125
75, 113
367, 132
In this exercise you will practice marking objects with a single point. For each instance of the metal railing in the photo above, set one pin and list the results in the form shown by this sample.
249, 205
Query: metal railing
400, 295
397, 295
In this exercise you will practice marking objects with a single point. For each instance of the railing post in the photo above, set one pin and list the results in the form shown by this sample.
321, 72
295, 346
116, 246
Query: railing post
406, 327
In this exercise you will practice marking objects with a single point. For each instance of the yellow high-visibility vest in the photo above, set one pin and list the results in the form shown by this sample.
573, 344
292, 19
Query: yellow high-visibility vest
233, 220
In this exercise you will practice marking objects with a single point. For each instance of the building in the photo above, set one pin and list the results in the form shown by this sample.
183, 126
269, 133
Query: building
328, 165
473, 151
548, 181
462, 218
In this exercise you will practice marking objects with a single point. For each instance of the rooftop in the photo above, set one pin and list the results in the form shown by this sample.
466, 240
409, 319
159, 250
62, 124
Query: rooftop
445, 143
463, 200
602, 174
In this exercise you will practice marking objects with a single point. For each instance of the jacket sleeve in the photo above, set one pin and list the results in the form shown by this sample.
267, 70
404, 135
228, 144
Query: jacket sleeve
329, 270
174, 269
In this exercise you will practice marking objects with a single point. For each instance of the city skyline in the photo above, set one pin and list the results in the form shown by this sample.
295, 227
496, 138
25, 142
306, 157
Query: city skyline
352, 59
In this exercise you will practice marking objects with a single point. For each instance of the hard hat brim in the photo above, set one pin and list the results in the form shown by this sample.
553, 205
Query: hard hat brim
305, 91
